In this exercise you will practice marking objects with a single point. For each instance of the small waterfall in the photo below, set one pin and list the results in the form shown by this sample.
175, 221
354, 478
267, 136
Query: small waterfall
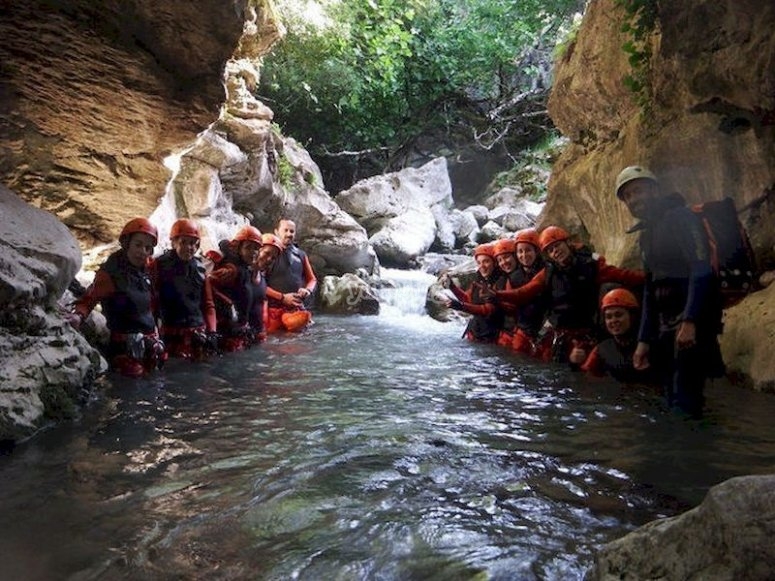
405, 293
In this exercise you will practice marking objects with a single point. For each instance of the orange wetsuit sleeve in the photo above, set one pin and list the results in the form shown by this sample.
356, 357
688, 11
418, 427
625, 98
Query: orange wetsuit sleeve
593, 364
208, 305
526, 293
224, 277
309, 276
460, 294
625, 276
101, 288
486, 309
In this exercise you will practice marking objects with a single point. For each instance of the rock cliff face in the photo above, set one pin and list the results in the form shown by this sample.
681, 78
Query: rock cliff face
93, 96
708, 130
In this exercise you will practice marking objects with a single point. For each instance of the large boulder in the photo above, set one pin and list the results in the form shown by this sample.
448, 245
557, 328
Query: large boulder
728, 536
346, 295
403, 212
44, 364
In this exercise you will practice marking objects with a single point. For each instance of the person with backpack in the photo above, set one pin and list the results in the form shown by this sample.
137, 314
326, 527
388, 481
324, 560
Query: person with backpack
185, 305
487, 320
570, 282
682, 306
237, 290
291, 282
613, 356
124, 288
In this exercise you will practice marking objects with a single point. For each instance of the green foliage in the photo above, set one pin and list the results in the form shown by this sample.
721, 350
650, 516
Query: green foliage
285, 171
531, 169
641, 21
377, 72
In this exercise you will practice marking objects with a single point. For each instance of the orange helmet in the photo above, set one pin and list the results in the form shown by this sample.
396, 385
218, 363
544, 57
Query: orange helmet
619, 297
485, 249
248, 233
550, 235
504, 246
528, 236
138, 225
272, 240
185, 227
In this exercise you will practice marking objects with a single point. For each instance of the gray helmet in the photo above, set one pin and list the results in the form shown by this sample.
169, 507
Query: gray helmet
633, 172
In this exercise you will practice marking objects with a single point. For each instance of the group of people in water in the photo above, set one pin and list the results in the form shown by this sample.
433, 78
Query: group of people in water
539, 294
183, 305
546, 297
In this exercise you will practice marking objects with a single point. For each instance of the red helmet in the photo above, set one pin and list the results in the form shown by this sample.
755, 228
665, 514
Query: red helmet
248, 233
504, 246
138, 225
550, 235
485, 249
185, 227
527, 236
619, 297
272, 240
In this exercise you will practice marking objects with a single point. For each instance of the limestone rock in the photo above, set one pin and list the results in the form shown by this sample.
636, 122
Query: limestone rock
348, 294
728, 536
44, 364
403, 211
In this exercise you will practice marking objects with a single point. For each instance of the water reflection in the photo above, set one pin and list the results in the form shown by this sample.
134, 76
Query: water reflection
366, 448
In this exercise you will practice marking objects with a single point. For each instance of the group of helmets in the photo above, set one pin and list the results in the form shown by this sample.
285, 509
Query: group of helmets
187, 227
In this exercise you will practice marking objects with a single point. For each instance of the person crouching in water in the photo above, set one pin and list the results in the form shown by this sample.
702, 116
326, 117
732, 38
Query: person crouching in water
504, 252
570, 282
271, 247
124, 288
186, 307
291, 282
236, 290
531, 315
613, 355
487, 319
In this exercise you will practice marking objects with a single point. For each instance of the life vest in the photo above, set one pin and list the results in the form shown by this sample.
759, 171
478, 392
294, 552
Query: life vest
484, 328
616, 359
128, 309
531, 315
181, 285
286, 275
573, 292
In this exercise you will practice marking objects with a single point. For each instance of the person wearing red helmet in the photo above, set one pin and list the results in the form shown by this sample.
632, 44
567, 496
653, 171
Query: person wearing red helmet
504, 253
185, 302
570, 282
613, 355
530, 316
487, 319
237, 290
291, 281
124, 288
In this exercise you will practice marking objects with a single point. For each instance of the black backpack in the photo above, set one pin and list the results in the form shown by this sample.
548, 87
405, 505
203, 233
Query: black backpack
731, 253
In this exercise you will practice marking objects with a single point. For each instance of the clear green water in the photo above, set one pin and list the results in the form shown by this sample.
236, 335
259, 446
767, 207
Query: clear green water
366, 448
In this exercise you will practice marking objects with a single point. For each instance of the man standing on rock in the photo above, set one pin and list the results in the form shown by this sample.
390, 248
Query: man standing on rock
682, 311
291, 281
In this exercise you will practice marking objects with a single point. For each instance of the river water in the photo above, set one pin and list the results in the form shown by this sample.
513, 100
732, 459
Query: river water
365, 448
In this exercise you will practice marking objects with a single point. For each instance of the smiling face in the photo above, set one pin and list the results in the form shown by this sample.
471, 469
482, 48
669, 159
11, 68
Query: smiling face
559, 252
507, 261
618, 320
485, 264
637, 194
266, 256
139, 249
526, 254
248, 251
185, 247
